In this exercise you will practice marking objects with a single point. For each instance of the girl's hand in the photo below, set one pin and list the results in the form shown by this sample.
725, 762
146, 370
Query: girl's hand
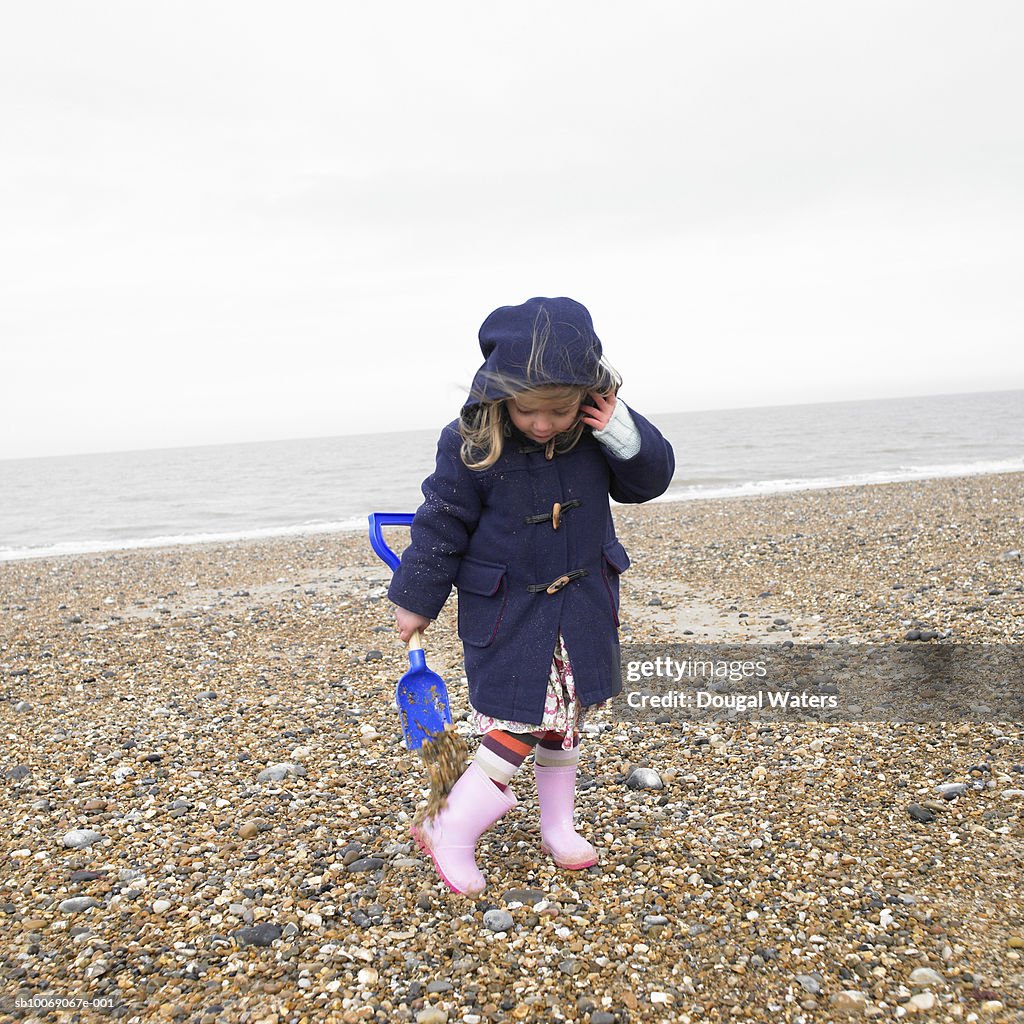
598, 414
408, 622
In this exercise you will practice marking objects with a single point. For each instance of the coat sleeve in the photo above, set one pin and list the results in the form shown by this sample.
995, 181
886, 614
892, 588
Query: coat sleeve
440, 531
646, 474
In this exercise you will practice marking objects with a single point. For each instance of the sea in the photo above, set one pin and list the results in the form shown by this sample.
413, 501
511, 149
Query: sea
114, 500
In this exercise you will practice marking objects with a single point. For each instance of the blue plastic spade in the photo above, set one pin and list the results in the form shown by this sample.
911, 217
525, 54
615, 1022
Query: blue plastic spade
421, 696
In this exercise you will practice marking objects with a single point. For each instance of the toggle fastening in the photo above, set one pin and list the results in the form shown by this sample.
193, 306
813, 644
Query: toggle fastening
556, 585
554, 588
556, 513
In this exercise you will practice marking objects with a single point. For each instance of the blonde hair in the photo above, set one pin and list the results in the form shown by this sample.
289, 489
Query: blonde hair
485, 426
485, 422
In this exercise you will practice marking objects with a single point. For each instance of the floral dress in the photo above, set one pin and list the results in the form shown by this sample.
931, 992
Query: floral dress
562, 710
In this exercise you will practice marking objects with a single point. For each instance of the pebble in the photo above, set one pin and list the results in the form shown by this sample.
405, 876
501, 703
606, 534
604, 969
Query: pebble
919, 813
924, 1001
279, 772
76, 904
923, 976
644, 778
951, 790
848, 1001
366, 864
498, 920
160, 906
528, 897
258, 935
809, 983
432, 1015
249, 829
81, 838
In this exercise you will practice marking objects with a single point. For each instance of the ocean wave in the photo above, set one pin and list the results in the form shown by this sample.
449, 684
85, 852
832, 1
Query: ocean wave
902, 474
92, 547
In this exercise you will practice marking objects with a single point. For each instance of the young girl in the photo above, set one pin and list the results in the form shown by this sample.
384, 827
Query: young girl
516, 516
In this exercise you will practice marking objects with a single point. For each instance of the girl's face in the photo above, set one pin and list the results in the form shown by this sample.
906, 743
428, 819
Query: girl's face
540, 419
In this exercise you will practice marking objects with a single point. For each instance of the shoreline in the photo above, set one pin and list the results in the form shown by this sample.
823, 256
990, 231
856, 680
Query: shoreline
867, 562
356, 525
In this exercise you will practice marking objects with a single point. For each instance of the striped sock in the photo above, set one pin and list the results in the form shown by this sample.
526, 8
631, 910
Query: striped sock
550, 754
501, 753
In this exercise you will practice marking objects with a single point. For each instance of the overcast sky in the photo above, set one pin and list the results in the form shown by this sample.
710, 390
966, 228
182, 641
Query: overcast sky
240, 221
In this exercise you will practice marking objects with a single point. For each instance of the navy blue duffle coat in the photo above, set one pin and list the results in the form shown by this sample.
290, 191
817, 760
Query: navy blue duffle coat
491, 533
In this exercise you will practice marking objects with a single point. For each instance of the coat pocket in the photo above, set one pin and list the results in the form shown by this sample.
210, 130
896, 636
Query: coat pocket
483, 594
615, 561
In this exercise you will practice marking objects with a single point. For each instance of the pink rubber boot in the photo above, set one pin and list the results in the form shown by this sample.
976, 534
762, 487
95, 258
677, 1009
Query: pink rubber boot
556, 792
450, 837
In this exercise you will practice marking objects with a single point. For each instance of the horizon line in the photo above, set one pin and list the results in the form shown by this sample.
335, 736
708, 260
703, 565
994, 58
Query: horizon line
413, 430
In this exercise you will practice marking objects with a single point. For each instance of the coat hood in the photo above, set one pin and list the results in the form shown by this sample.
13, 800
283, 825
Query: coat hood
543, 341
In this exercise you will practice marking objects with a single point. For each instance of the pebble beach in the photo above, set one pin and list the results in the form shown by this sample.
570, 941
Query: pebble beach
205, 798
